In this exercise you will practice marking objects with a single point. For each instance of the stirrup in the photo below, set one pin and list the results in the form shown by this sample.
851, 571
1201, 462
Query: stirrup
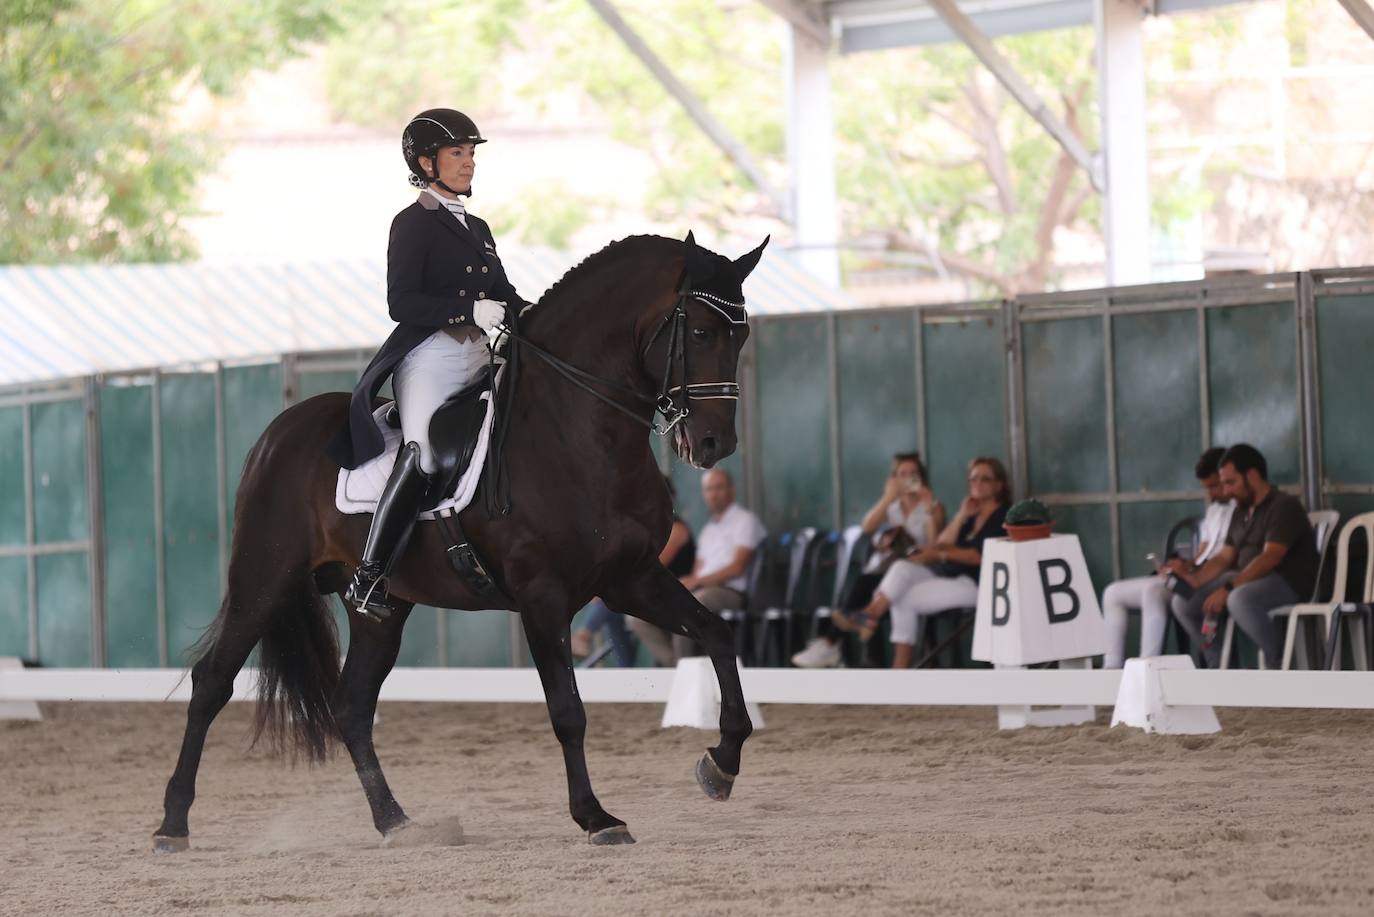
373, 604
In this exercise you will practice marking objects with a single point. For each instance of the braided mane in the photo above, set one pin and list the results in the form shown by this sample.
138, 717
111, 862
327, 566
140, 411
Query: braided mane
629, 248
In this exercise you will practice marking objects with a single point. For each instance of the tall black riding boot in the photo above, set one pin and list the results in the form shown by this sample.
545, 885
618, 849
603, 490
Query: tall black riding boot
401, 501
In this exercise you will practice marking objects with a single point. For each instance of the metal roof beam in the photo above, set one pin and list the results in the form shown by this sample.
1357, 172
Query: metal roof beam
1029, 99
694, 107
807, 18
1359, 11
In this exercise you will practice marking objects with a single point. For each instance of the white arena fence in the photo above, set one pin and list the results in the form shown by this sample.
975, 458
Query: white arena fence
934, 687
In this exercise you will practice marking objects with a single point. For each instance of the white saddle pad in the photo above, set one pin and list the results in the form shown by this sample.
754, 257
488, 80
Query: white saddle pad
358, 490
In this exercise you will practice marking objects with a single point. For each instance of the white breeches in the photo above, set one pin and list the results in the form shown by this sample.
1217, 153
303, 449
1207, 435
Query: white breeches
1151, 596
915, 592
437, 368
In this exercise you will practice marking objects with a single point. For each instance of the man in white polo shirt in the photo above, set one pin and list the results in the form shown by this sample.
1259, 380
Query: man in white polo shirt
725, 548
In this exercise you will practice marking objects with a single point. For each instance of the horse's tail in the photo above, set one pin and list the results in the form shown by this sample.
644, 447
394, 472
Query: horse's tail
275, 602
298, 670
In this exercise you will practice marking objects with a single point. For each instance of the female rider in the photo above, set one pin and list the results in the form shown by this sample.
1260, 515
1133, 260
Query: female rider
445, 289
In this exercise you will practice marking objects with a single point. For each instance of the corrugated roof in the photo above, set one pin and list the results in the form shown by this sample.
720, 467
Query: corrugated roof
69, 321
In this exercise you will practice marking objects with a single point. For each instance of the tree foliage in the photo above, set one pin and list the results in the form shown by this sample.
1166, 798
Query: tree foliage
93, 164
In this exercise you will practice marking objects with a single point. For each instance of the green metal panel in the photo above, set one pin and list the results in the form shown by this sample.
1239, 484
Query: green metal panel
877, 357
1093, 526
1066, 405
1158, 414
317, 383
64, 610
1143, 529
420, 640
126, 447
59, 471
1345, 329
14, 609
252, 397
12, 525
1252, 361
190, 510
794, 405
479, 638
965, 399
1352, 504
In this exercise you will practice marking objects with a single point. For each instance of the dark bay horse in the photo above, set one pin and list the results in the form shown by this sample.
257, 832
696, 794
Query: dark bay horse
589, 514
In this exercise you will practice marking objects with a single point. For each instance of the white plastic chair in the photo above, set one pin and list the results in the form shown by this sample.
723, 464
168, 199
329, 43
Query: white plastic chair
1323, 525
1325, 610
849, 550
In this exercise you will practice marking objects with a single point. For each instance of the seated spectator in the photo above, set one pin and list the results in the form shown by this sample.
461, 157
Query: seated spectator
1150, 594
678, 555
906, 517
720, 574
943, 575
1269, 559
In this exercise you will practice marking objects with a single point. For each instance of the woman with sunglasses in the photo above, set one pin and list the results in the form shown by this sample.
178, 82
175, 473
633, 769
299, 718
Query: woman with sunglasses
942, 575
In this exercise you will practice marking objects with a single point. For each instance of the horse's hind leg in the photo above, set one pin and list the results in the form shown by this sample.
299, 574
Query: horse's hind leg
212, 685
547, 632
656, 596
372, 650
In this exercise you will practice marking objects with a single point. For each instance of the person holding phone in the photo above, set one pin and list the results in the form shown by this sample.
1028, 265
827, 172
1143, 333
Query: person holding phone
1151, 594
905, 518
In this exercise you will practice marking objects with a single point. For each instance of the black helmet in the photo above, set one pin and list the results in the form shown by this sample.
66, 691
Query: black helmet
430, 130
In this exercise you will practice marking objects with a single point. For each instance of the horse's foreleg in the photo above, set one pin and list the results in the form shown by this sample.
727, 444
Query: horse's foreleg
656, 596
372, 650
548, 636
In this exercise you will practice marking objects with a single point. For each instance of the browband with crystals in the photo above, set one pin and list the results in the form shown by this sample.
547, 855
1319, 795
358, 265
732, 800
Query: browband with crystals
733, 311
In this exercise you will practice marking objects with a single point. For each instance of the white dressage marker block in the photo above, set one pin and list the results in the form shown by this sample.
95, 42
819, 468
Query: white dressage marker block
1140, 700
1036, 603
1020, 717
17, 709
694, 699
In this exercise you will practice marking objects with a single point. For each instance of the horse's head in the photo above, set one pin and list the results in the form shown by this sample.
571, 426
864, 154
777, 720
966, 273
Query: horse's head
695, 350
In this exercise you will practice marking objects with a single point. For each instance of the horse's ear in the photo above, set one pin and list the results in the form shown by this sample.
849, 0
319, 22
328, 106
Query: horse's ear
745, 264
690, 241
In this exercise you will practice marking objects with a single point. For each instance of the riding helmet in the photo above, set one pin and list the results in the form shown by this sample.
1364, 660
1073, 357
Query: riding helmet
430, 130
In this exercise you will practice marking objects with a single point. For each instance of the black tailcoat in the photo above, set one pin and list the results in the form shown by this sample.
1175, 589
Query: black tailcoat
436, 272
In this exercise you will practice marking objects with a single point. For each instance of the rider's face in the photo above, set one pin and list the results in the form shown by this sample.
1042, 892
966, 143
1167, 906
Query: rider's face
456, 166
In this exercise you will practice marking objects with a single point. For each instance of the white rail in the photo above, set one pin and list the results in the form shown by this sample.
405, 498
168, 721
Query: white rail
937, 687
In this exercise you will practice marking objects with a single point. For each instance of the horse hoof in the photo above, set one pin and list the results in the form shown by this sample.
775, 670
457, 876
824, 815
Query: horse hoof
714, 782
616, 834
164, 844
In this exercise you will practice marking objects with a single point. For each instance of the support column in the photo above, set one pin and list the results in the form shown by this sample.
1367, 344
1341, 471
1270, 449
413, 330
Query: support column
811, 155
1121, 91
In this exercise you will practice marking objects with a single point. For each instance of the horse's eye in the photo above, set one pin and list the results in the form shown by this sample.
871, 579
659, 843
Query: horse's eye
700, 334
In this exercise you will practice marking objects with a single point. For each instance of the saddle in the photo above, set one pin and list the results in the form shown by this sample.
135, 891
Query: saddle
453, 434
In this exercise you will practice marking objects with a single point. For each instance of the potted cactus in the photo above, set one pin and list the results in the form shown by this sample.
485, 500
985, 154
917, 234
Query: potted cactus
1028, 520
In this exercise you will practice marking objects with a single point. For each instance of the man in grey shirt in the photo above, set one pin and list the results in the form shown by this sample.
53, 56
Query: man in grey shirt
1269, 559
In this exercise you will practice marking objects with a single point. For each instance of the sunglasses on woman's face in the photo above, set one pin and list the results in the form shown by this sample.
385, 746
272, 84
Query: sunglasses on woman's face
983, 478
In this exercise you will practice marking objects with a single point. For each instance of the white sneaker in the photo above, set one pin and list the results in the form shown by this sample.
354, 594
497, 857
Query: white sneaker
819, 654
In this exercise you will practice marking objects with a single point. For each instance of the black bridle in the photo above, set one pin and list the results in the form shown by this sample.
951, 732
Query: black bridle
672, 401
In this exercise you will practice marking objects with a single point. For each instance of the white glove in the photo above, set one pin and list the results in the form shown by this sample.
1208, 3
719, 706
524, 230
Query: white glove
488, 313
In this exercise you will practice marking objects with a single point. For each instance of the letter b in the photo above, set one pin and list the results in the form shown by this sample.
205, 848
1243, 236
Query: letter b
1001, 581
1062, 586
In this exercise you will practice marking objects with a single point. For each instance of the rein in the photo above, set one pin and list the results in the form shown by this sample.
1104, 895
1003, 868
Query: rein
672, 401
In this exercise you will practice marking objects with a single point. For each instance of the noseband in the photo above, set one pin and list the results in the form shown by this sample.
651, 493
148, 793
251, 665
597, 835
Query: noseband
672, 401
